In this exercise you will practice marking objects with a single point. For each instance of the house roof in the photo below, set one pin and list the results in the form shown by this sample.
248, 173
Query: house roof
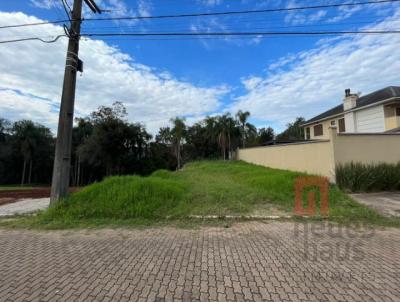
374, 97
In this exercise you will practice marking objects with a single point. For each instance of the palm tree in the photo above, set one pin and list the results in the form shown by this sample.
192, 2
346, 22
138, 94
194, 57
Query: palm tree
225, 125
177, 133
245, 127
233, 134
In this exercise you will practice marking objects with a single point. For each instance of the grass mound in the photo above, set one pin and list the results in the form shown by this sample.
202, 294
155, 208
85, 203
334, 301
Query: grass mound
121, 197
201, 188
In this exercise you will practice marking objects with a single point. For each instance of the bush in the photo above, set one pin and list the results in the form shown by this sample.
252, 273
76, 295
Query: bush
358, 177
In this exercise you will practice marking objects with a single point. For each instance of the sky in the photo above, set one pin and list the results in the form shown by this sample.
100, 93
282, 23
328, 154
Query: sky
275, 78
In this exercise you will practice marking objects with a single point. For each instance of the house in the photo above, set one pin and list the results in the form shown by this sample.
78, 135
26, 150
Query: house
377, 112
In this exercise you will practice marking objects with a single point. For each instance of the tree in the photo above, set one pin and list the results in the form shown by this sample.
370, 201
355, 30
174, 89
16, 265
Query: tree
164, 136
177, 132
30, 140
5, 126
294, 131
80, 133
242, 119
265, 135
105, 143
5, 149
248, 131
228, 133
112, 142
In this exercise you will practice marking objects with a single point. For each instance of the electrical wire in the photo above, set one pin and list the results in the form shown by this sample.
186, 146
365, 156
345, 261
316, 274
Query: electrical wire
271, 33
213, 34
32, 39
235, 27
271, 10
337, 5
67, 9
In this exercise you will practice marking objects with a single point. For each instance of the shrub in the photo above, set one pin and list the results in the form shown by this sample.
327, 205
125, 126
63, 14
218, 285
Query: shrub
358, 177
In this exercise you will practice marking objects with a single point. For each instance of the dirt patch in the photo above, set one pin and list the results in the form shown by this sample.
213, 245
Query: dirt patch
269, 209
11, 196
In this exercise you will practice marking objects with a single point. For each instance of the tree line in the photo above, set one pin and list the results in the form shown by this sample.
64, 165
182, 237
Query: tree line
105, 143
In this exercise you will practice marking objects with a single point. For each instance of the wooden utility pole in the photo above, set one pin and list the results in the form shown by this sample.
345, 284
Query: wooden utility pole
62, 159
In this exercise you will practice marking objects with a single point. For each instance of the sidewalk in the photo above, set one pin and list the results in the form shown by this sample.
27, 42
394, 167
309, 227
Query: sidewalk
24, 206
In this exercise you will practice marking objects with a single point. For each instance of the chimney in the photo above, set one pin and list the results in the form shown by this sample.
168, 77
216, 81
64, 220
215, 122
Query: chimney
350, 100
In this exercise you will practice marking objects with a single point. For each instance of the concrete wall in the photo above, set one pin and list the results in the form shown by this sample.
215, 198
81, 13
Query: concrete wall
321, 157
367, 148
314, 158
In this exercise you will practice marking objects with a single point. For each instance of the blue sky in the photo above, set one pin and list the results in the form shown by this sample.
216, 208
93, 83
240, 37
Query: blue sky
275, 78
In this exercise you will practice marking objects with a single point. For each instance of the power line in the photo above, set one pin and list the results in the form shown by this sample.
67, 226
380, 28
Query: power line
242, 12
32, 39
215, 34
235, 27
34, 24
67, 9
207, 14
271, 33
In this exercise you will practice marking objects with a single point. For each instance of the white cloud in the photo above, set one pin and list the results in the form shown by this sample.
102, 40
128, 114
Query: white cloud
113, 8
36, 69
315, 80
17, 106
301, 18
211, 2
345, 12
45, 4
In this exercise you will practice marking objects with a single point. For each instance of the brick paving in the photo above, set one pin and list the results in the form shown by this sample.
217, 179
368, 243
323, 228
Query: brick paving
251, 261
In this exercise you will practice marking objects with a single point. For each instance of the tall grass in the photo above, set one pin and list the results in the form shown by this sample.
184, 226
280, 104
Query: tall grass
201, 188
122, 197
358, 177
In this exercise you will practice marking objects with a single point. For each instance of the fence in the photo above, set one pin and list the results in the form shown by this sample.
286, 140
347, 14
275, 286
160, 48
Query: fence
320, 157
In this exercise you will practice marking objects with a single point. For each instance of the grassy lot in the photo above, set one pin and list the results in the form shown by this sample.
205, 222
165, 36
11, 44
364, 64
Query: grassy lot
201, 188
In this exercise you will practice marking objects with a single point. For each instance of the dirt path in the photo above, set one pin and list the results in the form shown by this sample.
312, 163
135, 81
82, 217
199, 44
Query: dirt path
10, 196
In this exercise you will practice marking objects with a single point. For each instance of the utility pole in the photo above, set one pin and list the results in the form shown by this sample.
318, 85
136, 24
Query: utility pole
62, 159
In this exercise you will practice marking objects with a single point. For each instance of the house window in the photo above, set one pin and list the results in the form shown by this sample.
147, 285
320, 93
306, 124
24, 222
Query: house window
308, 133
318, 130
398, 111
333, 123
342, 125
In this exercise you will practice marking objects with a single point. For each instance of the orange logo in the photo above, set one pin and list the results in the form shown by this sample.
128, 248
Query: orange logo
301, 184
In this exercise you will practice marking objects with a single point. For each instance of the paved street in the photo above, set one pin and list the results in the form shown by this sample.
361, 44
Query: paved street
251, 261
387, 203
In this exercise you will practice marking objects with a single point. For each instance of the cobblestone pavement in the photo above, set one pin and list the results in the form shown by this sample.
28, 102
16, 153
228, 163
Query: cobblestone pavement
251, 261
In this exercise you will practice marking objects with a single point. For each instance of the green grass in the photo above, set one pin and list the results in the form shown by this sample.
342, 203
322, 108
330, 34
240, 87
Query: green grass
201, 188
15, 187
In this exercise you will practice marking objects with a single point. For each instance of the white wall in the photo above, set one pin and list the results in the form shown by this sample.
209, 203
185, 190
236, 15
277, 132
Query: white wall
370, 120
349, 121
